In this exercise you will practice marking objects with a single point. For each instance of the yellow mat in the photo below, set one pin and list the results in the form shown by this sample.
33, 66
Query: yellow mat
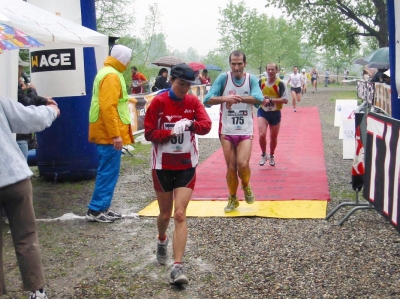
300, 209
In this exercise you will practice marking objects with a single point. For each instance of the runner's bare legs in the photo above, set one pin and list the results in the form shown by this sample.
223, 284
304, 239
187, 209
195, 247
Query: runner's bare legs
165, 202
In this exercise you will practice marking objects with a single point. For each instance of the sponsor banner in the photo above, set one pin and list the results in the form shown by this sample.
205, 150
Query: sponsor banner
58, 72
382, 166
383, 99
360, 89
53, 60
343, 107
376, 94
347, 113
366, 91
138, 105
370, 92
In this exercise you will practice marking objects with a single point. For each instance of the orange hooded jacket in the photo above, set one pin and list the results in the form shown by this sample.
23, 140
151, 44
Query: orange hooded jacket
109, 124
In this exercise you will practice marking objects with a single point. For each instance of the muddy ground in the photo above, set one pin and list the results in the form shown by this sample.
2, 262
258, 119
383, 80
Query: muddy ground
225, 258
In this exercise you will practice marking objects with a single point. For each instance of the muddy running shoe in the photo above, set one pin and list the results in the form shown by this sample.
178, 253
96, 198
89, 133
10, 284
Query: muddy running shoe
272, 160
162, 251
248, 194
38, 295
112, 214
264, 157
233, 203
98, 217
177, 275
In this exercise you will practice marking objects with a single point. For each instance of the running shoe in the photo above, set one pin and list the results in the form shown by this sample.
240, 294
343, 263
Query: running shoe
112, 214
38, 295
177, 275
98, 217
264, 157
294, 110
162, 251
233, 203
271, 160
248, 194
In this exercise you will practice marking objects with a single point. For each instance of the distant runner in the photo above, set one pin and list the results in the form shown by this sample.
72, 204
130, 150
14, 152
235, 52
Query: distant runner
269, 113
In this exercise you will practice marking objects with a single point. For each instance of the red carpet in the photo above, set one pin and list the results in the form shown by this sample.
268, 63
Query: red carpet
300, 166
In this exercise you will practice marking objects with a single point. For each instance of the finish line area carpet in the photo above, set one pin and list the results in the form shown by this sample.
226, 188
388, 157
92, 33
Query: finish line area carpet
297, 187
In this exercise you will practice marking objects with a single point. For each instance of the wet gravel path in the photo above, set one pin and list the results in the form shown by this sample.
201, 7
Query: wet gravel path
225, 257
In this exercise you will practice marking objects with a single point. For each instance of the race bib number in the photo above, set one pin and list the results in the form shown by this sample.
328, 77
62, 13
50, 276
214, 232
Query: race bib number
237, 120
269, 107
178, 144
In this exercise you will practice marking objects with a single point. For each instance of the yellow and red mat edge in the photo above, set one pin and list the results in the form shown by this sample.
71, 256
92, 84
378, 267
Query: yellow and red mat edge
285, 209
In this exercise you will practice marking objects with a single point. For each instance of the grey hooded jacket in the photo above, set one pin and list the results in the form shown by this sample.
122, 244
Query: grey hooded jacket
16, 118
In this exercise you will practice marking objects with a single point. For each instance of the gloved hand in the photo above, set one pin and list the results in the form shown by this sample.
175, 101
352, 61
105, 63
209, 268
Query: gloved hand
180, 126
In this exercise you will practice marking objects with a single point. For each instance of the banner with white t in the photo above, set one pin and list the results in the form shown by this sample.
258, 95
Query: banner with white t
382, 166
58, 72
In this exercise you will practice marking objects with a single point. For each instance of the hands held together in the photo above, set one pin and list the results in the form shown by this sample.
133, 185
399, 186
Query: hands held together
231, 99
181, 126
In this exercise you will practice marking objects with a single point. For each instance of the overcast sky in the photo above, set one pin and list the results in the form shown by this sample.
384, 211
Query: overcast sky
192, 23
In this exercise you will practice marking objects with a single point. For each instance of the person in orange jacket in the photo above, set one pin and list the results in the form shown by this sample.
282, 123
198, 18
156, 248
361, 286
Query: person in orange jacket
109, 129
138, 81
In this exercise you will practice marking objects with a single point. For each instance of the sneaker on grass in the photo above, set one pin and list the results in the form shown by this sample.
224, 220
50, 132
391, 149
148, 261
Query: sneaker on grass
248, 194
98, 217
177, 275
233, 203
112, 214
38, 295
162, 251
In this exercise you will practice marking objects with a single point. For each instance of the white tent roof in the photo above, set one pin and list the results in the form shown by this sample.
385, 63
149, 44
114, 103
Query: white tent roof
49, 29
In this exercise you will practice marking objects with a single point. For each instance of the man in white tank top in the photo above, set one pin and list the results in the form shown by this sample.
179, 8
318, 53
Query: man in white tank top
296, 86
236, 92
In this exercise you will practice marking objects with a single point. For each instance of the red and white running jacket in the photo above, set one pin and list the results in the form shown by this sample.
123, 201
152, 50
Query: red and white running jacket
181, 152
